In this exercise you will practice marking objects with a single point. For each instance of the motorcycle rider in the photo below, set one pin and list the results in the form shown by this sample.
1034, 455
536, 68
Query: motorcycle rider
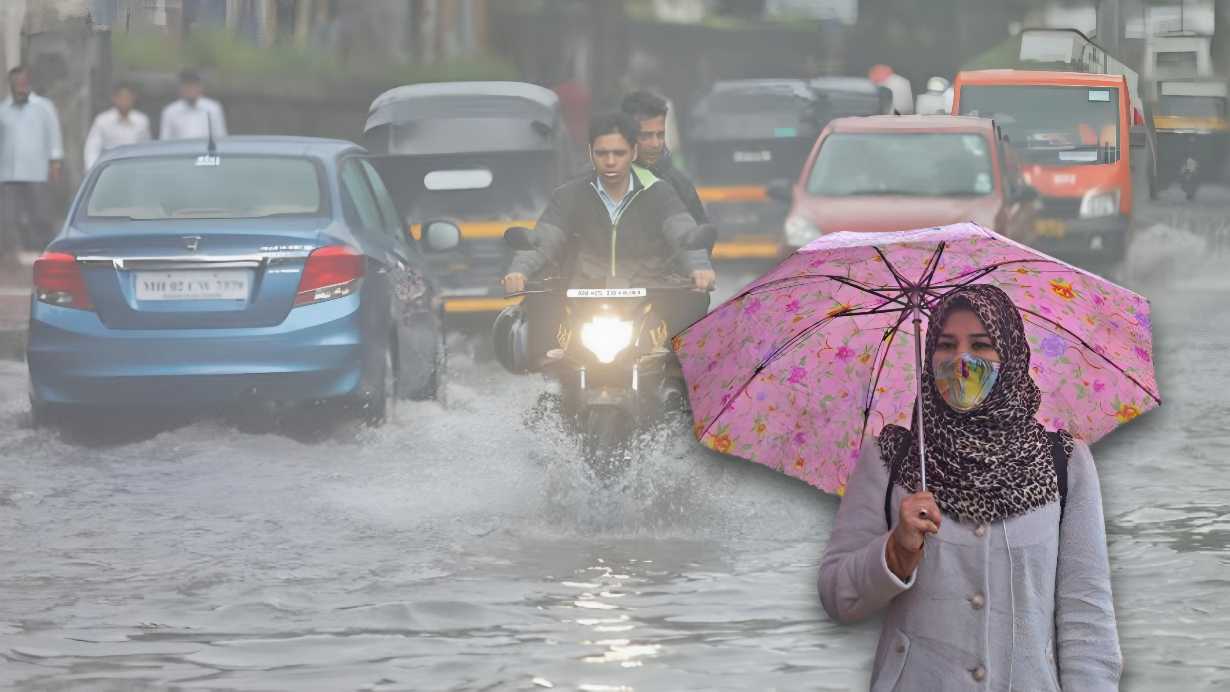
650, 111
621, 221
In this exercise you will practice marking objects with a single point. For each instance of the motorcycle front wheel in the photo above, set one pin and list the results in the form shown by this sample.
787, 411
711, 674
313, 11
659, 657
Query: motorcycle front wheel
606, 439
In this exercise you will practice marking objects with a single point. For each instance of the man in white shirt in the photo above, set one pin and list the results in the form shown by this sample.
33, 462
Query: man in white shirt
903, 92
117, 126
31, 152
193, 116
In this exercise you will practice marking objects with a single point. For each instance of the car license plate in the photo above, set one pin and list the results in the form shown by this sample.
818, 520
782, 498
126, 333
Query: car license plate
1050, 228
220, 284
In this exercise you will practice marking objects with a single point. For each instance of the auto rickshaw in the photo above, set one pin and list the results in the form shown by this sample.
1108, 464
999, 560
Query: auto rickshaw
1192, 133
743, 138
485, 155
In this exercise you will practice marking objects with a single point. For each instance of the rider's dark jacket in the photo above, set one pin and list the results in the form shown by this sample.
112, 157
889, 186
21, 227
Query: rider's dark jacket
576, 234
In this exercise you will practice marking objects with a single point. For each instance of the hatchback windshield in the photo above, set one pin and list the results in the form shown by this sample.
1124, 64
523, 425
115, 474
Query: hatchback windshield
917, 165
1056, 125
1193, 106
226, 187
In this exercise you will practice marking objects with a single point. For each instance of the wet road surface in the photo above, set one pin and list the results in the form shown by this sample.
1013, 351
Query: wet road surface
460, 549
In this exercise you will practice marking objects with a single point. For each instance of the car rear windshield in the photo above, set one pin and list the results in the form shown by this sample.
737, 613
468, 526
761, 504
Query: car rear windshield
911, 164
511, 185
191, 187
1193, 106
1052, 125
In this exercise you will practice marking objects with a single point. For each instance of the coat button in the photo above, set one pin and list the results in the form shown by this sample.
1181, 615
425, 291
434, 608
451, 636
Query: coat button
981, 530
979, 673
977, 601
901, 648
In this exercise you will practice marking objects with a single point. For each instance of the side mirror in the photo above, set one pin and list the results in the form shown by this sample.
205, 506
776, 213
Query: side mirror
702, 237
518, 238
441, 236
1026, 193
781, 191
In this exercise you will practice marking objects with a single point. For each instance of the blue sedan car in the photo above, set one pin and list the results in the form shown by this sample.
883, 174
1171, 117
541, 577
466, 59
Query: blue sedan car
253, 269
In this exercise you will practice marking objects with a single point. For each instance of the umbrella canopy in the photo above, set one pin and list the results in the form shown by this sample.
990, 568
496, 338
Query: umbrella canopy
795, 371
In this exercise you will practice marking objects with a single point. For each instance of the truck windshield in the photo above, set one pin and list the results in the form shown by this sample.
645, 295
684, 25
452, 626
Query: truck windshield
1053, 125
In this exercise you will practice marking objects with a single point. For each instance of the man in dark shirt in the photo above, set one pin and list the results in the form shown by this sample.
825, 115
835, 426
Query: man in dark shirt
650, 111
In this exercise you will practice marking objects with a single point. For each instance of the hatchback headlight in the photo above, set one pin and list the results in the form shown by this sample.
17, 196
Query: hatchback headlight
605, 336
800, 231
1096, 204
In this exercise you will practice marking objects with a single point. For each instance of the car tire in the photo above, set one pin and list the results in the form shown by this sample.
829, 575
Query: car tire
378, 401
433, 387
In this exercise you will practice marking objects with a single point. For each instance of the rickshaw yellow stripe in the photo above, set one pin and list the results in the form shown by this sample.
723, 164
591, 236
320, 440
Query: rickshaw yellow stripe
746, 250
737, 193
469, 305
478, 229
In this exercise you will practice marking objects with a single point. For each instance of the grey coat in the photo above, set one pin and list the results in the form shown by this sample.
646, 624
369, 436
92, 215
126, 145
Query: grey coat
1021, 604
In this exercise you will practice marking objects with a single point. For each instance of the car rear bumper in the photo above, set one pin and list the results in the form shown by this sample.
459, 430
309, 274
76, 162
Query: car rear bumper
316, 353
1103, 238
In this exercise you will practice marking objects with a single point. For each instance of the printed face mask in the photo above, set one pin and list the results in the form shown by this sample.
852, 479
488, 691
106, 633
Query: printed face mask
966, 381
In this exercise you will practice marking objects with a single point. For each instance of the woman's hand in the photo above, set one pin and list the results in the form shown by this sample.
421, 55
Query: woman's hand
917, 517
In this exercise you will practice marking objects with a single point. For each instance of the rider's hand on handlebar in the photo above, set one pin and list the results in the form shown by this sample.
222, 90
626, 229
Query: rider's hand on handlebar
514, 283
703, 279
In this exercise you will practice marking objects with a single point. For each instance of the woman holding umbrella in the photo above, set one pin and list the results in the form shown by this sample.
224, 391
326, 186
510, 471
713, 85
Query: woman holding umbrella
994, 576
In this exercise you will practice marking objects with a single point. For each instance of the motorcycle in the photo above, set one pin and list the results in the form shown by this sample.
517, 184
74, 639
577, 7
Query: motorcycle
616, 371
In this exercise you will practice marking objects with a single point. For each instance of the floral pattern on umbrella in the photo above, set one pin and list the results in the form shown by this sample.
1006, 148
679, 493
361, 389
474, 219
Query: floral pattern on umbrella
795, 371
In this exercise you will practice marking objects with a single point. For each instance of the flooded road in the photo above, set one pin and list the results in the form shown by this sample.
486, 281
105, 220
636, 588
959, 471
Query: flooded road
461, 550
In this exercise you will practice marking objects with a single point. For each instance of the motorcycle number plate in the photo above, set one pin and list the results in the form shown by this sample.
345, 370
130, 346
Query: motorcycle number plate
607, 292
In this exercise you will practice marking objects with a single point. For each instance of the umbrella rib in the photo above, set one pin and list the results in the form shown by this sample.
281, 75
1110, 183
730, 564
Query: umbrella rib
933, 265
981, 272
878, 292
902, 282
1086, 344
760, 368
774, 356
886, 343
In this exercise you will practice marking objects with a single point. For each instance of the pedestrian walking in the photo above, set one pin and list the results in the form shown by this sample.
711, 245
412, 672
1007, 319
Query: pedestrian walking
193, 115
116, 126
31, 154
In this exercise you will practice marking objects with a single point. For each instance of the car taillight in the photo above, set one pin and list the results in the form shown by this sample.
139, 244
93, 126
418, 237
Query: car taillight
58, 281
330, 272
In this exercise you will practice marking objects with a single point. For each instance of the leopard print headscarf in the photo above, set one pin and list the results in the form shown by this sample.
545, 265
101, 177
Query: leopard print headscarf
992, 462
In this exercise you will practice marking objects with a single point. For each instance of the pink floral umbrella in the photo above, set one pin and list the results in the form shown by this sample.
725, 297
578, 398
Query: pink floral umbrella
795, 371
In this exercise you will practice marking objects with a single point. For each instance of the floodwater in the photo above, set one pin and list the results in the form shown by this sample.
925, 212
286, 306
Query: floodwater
461, 549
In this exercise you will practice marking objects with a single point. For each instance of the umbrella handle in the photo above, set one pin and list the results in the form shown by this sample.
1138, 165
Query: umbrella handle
918, 414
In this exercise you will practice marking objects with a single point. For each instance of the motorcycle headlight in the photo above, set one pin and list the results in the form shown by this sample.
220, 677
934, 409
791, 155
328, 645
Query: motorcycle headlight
800, 231
1096, 204
605, 336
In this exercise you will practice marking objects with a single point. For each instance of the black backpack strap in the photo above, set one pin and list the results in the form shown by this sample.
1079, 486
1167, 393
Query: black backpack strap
888, 495
1059, 456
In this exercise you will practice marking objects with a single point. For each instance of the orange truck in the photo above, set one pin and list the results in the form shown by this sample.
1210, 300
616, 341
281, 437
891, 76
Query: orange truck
1072, 134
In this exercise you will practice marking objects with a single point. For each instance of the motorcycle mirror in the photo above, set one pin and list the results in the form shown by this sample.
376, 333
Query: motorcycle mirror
702, 238
518, 238
441, 236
